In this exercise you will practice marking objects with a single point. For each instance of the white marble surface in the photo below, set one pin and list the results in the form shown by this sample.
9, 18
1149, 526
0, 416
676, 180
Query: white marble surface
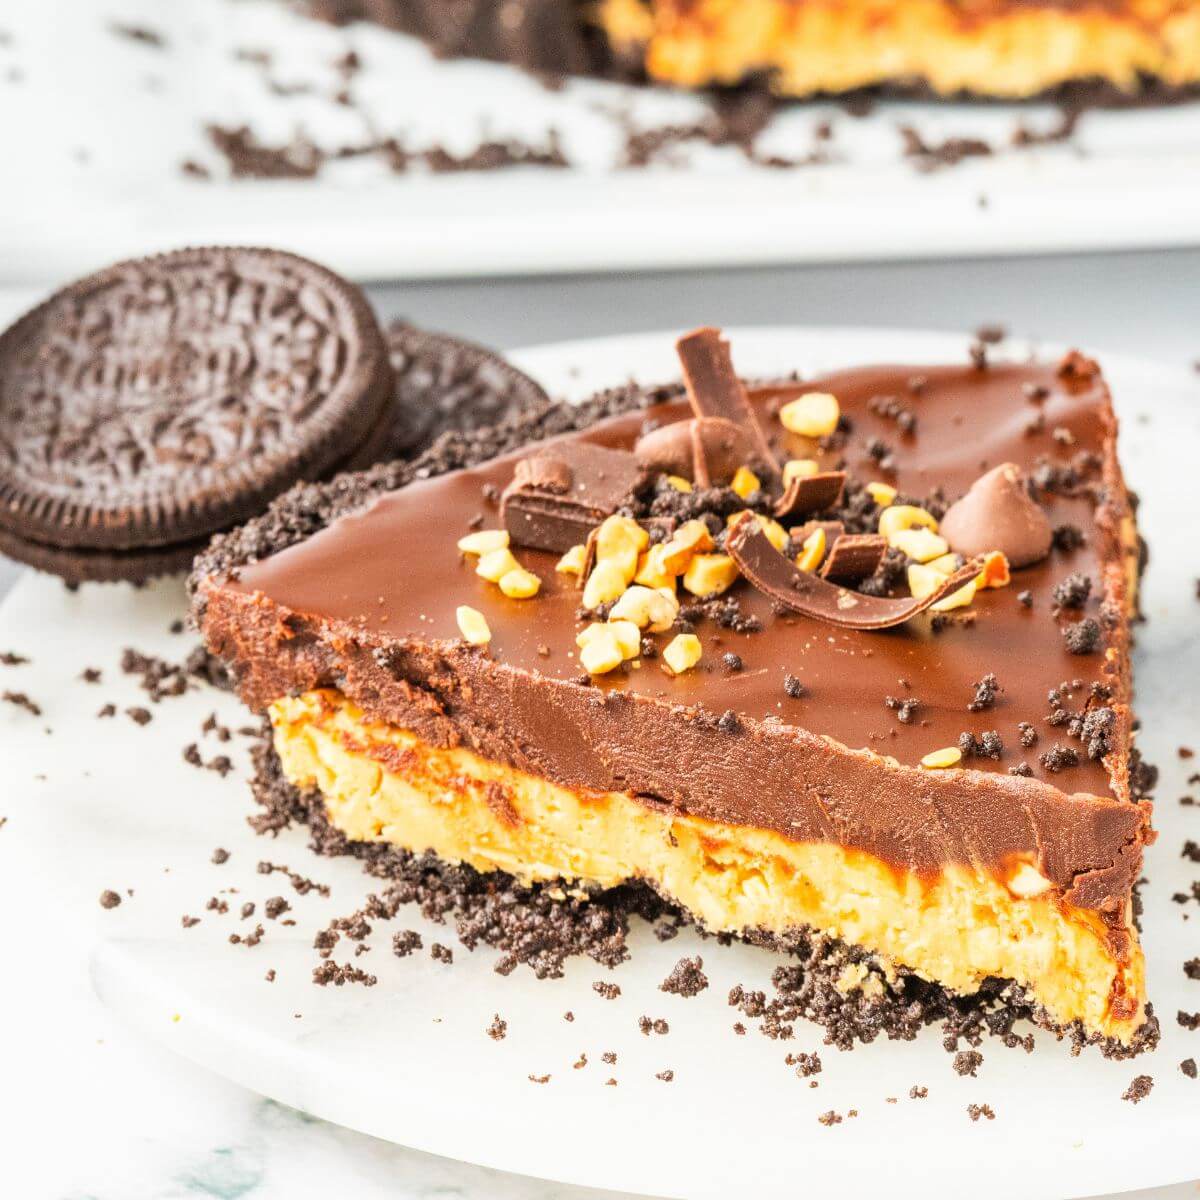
94, 1111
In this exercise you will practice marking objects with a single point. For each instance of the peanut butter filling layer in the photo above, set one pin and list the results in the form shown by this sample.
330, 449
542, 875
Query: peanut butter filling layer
956, 927
993, 48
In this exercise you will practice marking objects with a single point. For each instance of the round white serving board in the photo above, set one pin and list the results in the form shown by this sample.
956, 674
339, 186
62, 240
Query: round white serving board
98, 804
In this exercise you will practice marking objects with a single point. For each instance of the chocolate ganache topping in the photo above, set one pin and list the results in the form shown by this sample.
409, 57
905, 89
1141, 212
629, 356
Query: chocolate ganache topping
831, 723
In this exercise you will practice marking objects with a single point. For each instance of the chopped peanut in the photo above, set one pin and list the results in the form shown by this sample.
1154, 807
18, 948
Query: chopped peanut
495, 564
602, 652
921, 545
472, 625
813, 551
776, 534
628, 636
679, 483
995, 573
945, 564
483, 540
692, 537
745, 482
799, 468
621, 540
960, 599
572, 562
652, 571
813, 415
647, 608
924, 580
606, 582
682, 653
882, 493
520, 584
710, 574
937, 760
905, 516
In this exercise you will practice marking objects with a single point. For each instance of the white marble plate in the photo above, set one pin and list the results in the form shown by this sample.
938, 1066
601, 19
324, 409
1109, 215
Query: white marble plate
97, 804
93, 165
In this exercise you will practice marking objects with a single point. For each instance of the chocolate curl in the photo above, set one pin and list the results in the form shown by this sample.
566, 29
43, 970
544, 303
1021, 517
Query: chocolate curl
776, 576
810, 493
714, 390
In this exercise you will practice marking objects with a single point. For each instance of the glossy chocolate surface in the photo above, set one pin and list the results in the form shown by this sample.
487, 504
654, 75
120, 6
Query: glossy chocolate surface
393, 571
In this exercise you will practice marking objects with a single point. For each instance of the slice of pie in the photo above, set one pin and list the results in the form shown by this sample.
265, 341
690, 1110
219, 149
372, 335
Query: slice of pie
1012, 49
839, 666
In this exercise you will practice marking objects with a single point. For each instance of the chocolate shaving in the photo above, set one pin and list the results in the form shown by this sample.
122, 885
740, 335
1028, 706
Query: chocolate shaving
561, 493
854, 556
714, 390
811, 493
800, 591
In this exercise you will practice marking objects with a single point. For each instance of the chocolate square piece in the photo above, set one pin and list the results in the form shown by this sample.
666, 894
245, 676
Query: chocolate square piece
558, 495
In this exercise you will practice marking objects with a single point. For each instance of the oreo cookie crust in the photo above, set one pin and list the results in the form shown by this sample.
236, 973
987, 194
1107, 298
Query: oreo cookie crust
165, 398
446, 384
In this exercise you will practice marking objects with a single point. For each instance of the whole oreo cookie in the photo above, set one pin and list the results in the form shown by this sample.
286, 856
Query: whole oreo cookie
156, 402
444, 384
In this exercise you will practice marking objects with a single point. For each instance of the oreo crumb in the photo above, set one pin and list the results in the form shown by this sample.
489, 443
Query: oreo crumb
986, 691
10, 658
733, 662
539, 1078
793, 687
219, 855
975, 1111
498, 1029
270, 975
610, 991
657, 1025
829, 1118
1138, 1090
1072, 592
90, 675
967, 1062
21, 700
1082, 637
406, 942
1025, 598
806, 1064
1191, 968
339, 974
917, 1092
667, 1076
140, 716
686, 978
609, 1057
109, 898
275, 907
1188, 1020
1029, 735
440, 953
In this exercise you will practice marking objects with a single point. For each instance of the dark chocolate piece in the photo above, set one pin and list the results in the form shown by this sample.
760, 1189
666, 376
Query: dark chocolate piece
853, 557
714, 390
775, 575
810, 493
561, 493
